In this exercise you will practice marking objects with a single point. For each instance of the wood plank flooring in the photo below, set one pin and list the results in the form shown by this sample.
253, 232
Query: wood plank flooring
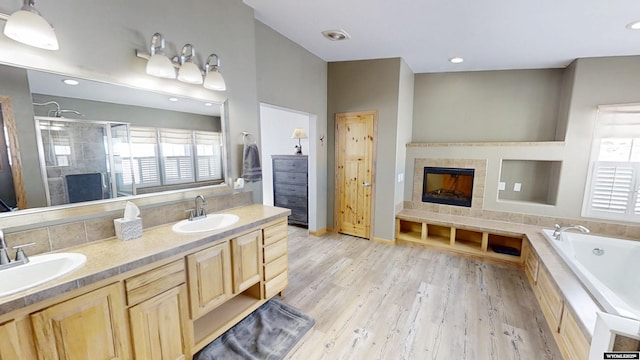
374, 301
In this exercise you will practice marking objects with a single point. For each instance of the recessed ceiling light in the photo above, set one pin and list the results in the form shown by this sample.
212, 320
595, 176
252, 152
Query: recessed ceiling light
634, 25
208, 104
173, 99
336, 35
456, 60
70, 82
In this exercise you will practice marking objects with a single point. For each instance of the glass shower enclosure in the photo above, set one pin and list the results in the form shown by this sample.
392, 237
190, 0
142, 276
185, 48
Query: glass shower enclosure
82, 160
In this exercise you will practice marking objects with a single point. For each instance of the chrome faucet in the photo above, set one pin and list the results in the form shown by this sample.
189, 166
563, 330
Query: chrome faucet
560, 229
199, 211
21, 257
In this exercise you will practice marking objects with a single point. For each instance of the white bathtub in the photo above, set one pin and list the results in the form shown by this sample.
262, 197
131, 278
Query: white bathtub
613, 278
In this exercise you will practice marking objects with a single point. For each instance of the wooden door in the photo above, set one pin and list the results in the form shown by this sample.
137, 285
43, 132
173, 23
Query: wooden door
355, 155
91, 326
209, 273
247, 264
159, 326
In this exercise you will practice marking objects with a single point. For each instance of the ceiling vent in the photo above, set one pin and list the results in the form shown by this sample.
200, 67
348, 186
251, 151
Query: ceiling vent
336, 35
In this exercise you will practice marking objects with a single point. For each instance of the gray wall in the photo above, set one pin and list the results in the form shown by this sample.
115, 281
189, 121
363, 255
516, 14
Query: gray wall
510, 105
360, 86
291, 77
405, 121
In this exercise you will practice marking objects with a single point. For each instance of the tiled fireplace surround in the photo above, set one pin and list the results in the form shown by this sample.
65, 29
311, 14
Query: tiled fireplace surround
476, 210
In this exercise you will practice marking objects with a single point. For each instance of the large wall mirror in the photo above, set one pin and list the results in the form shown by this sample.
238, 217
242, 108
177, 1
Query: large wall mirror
83, 142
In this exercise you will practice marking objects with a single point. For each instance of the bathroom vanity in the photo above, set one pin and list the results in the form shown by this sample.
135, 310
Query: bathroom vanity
162, 296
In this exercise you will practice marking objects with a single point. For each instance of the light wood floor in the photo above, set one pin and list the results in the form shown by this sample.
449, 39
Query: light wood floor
374, 301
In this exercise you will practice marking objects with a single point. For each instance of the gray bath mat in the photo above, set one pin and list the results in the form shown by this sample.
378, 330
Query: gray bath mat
270, 333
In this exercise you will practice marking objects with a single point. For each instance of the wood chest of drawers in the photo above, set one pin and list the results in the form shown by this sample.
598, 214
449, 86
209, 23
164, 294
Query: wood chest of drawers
290, 186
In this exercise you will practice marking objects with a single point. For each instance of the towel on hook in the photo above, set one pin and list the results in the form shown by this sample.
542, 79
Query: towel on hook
251, 170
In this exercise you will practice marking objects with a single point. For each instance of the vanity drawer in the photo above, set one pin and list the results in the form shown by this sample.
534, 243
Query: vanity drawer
275, 232
275, 250
154, 282
275, 267
276, 285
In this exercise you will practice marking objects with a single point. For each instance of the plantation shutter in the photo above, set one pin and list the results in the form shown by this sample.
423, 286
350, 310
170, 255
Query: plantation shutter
144, 165
208, 155
613, 187
176, 155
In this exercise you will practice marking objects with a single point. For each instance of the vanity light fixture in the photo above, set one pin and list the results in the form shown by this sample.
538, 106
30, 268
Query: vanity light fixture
213, 79
159, 65
29, 27
189, 72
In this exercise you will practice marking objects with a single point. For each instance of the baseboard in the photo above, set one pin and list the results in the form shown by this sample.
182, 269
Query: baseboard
383, 241
319, 232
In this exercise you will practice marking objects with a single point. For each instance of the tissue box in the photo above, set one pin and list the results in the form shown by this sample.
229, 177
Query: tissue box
128, 229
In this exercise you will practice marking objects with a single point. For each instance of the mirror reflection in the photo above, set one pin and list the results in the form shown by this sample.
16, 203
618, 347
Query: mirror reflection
87, 141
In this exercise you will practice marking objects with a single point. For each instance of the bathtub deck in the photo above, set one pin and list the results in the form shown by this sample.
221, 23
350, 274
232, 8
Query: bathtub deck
374, 301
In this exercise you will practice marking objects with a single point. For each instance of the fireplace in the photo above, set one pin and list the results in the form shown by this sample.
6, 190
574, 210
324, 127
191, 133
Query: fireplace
450, 186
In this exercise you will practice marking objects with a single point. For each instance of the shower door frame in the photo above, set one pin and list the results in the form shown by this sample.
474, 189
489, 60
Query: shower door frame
108, 149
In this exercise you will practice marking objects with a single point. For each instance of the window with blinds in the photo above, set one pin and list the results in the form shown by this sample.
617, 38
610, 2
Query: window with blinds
172, 156
614, 178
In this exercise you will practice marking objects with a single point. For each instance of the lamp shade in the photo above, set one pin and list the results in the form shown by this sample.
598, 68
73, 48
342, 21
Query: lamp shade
214, 81
299, 133
160, 66
190, 73
28, 27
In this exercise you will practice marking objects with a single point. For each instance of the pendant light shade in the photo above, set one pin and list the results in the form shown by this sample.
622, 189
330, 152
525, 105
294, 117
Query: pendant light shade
213, 79
159, 64
29, 27
189, 72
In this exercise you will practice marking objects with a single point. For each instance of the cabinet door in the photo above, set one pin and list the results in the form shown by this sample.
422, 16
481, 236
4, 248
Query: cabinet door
9, 342
209, 274
247, 264
91, 326
574, 344
159, 326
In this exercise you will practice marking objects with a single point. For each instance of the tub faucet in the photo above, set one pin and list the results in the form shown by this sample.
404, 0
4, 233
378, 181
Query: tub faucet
559, 229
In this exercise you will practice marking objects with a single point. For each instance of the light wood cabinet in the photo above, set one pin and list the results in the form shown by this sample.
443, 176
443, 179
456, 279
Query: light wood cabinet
210, 283
574, 344
90, 326
531, 265
550, 300
159, 326
275, 260
10, 342
159, 313
247, 263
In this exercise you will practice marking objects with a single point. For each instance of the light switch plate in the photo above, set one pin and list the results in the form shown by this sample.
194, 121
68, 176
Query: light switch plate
517, 187
502, 185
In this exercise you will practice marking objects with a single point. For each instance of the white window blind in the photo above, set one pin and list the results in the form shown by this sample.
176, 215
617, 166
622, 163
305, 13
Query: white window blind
209, 155
177, 160
143, 169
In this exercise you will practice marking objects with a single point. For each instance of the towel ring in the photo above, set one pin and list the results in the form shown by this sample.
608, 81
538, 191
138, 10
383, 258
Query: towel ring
248, 138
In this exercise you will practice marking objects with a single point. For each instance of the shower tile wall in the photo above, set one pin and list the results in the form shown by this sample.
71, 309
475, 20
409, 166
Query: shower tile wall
87, 155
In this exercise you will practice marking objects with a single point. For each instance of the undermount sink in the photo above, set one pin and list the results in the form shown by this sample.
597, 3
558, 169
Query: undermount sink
39, 270
209, 223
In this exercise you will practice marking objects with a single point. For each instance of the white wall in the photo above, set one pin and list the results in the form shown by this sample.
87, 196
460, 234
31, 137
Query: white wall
276, 127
